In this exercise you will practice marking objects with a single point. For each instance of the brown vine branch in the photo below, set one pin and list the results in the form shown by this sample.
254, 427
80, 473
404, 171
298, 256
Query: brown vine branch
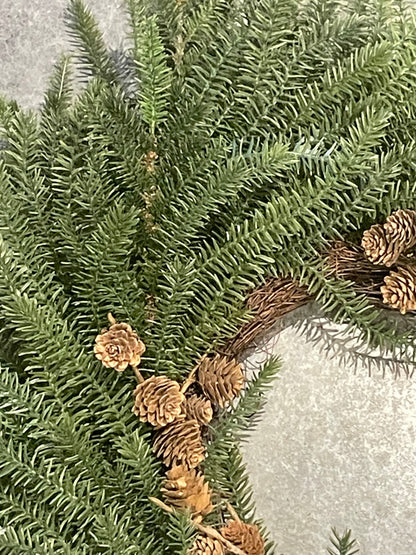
207, 530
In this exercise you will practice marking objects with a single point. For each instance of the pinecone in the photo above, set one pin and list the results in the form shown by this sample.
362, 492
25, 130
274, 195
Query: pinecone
119, 346
199, 409
180, 443
399, 291
383, 244
221, 378
379, 247
401, 228
204, 545
158, 400
245, 536
187, 489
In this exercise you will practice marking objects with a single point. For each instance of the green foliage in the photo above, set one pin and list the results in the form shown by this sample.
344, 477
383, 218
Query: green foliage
342, 545
154, 74
88, 40
278, 126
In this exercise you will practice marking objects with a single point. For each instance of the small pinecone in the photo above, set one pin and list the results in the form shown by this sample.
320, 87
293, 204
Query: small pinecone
399, 291
186, 489
119, 346
180, 443
199, 409
401, 228
245, 536
221, 378
204, 545
158, 400
378, 246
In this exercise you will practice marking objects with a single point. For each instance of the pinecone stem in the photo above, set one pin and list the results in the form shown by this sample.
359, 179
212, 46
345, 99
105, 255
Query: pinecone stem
232, 511
191, 378
207, 530
138, 374
111, 319
160, 504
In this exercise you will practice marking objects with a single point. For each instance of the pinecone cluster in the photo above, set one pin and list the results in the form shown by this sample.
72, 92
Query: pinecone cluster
388, 244
180, 420
384, 244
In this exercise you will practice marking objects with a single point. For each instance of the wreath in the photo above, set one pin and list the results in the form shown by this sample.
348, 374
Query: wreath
235, 162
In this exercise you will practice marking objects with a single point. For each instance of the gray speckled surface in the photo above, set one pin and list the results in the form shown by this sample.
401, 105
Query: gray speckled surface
334, 448
32, 35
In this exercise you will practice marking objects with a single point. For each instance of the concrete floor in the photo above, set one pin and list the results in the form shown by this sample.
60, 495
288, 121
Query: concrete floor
334, 447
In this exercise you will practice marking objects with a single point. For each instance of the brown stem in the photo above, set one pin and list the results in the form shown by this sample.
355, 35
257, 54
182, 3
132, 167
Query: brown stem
191, 378
111, 319
232, 512
138, 375
160, 504
207, 530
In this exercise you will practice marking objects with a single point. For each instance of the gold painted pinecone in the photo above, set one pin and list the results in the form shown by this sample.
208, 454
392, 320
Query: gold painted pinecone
399, 291
199, 409
221, 378
158, 400
186, 489
245, 536
378, 246
180, 443
206, 546
401, 228
119, 346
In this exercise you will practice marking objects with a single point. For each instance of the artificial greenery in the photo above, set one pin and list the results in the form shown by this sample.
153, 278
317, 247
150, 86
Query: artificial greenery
342, 544
231, 141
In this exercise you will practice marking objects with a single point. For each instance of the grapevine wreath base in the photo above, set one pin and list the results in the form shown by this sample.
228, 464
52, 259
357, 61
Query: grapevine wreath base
382, 267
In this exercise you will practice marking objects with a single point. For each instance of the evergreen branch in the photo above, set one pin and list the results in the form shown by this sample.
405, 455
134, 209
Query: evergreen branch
8, 110
349, 350
54, 349
154, 74
143, 468
86, 37
59, 94
343, 545
225, 470
103, 282
180, 533
137, 12
78, 509
230, 478
19, 541
54, 429
246, 251
238, 421
19, 513
359, 75
196, 204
